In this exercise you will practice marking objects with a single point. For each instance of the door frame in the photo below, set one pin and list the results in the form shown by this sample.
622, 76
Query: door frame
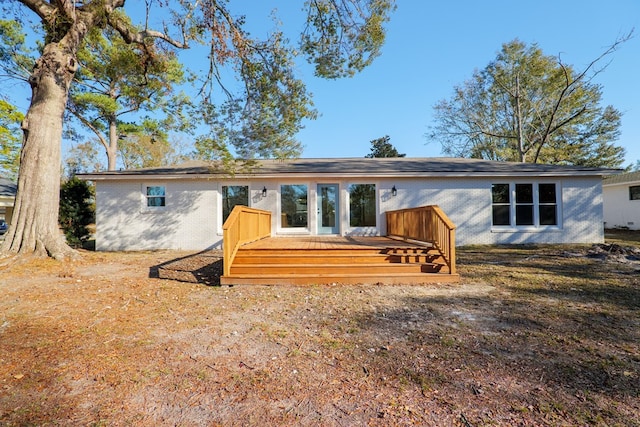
320, 229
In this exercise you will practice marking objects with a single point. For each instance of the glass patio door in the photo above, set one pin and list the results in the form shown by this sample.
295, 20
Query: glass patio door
328, 209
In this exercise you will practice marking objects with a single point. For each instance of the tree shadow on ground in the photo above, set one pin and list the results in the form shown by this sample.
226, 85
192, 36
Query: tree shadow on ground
560, 273
546, 355
204, 267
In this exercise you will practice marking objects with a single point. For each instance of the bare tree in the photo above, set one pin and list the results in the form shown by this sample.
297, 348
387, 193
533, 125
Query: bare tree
529, 107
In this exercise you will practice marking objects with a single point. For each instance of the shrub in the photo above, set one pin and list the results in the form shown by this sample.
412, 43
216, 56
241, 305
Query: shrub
77, 210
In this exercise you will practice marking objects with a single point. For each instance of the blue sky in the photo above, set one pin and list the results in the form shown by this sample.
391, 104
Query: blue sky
433, 46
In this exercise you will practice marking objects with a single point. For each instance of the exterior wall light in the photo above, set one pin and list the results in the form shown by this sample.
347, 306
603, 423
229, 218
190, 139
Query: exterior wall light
264, 192
394, 191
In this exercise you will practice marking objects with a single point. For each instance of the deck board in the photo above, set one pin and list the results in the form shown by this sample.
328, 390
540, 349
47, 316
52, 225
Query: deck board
330, 242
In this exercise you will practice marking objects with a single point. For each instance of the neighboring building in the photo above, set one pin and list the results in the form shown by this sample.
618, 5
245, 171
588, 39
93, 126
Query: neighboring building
621, 195
7, 198
490, 202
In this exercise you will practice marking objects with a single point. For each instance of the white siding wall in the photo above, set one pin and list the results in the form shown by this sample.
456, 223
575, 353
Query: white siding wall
467, 202
191, 219
619, 211
187, 222
583, 216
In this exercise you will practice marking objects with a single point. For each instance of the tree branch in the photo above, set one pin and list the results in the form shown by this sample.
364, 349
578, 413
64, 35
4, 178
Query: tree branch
68, 8
90, 125
131, 36
612, 48
40, 7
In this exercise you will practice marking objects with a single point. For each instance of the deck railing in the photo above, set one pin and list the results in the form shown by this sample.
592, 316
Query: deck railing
426, 224
243, 225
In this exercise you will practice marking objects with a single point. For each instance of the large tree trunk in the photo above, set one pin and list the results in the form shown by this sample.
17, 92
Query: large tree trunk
34, 228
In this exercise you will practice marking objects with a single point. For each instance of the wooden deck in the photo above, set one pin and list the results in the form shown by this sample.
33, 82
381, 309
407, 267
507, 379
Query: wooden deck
330, 242
336, 259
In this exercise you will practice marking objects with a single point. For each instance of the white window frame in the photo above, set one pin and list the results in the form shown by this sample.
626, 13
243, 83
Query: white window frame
144, 197
536, 226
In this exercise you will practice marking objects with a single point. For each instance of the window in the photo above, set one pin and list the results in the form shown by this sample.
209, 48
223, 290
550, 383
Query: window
362, 205
634, 192
548, 204
524, 205
501, 204
233, 195
156, 196
293, 205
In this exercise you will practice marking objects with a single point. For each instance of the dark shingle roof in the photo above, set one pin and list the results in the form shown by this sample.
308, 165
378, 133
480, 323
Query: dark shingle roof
622, 178
373, 167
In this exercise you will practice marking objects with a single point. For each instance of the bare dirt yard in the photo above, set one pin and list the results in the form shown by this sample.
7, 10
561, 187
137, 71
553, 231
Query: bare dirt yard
532, 336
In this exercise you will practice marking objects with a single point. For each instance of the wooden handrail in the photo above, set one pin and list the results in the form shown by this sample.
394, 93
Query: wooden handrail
426, 224
243, 225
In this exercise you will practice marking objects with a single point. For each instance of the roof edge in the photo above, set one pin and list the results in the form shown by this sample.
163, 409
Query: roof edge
353, 167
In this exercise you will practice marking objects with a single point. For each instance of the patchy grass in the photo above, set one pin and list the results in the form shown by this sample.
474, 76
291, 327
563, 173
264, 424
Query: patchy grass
542, 335
622, 236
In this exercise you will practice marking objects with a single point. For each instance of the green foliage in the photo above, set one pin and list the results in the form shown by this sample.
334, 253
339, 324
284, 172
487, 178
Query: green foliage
262, 118
529, 107
266, 118
332, 29
77, 210
10, 140
16, 58
118, 79
145, 145
15, 62
128, 69
381, 147
83, 158
125, 69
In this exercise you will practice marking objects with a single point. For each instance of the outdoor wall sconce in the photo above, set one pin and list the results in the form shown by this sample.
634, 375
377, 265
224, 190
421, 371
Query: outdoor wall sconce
264, 192
394, 191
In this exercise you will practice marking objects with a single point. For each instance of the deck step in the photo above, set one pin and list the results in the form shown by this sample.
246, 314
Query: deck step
312, 258
299, 251
364, 268
339, 258
337, 250
345, 279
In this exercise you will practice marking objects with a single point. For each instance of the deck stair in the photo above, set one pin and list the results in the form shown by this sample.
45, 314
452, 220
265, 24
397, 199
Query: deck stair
252, 255
337, 260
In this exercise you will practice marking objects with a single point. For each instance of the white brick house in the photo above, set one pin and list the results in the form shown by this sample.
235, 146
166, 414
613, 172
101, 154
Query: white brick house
621, 196
490, 202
